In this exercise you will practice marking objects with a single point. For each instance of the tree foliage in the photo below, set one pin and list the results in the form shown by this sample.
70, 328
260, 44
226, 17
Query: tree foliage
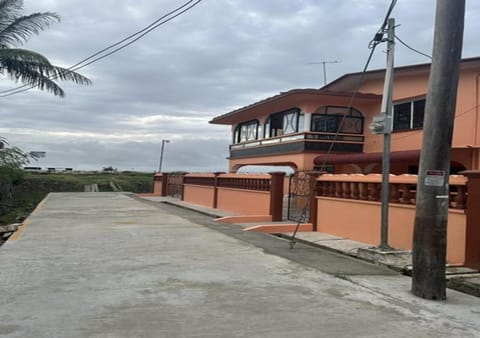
28, 67
12, 159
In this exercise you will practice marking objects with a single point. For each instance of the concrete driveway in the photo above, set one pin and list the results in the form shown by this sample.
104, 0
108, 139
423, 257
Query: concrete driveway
108, 265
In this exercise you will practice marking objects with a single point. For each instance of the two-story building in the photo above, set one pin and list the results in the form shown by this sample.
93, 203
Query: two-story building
327, 128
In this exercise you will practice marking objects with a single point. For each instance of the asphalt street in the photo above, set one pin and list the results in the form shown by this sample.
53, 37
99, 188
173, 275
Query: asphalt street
109, 265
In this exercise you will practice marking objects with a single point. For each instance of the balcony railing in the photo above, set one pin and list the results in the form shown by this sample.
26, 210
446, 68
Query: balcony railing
403, 188
299, 142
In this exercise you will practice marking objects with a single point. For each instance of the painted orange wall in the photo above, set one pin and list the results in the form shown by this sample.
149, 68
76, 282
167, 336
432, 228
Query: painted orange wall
296, 161
198, 194
415, 85
244, 202
407, 85
362, 223
157, 187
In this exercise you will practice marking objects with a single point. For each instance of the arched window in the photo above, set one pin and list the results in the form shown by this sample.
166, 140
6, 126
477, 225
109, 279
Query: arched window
333, 119
246, 131
284, 122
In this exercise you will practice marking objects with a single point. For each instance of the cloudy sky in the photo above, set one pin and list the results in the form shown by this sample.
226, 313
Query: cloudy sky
221, 55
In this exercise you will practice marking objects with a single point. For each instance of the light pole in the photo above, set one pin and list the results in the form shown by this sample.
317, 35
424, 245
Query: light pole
161, 154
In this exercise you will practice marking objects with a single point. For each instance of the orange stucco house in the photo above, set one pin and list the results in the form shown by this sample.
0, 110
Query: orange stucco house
327, 129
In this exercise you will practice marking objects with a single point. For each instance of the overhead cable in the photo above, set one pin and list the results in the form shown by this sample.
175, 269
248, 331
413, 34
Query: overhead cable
127, 41
372, 45
411, 48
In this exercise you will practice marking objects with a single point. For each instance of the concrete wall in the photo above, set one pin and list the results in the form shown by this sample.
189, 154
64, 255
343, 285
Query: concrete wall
244, 202
198, 194
360, 221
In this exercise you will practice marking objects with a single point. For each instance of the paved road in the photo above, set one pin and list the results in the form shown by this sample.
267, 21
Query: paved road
107, 265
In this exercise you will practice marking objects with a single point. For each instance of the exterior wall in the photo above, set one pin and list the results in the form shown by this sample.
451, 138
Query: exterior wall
362, 223
408, 83
466, 128
157, 187
244, 202
295, 161
198, 194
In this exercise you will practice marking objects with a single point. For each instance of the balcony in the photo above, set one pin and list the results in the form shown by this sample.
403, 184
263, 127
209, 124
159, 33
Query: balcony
298, 143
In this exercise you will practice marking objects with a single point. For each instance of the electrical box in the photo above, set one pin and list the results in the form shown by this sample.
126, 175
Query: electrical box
381, 124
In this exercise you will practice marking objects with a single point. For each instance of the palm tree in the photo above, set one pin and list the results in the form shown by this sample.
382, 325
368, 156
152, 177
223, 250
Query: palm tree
28, 67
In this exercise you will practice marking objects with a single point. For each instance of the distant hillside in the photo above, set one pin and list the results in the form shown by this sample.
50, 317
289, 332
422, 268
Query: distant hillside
33, 187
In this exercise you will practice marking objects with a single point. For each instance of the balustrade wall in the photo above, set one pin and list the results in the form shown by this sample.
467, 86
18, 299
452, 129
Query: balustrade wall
243, 194
349, 206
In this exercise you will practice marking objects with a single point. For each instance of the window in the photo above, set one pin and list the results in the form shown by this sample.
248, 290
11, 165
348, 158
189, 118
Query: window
331, 119
408, 115
247, 131
281, 123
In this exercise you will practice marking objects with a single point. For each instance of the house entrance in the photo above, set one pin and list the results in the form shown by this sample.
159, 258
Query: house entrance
301, 188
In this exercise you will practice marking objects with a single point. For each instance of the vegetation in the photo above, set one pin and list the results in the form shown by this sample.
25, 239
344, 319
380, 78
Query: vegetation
28, 67
31, 187
11, 161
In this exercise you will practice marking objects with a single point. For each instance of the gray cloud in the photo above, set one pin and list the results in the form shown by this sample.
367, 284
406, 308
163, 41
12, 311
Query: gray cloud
221, 55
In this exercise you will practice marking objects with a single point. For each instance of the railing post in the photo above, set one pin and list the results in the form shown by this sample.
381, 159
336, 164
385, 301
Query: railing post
164, 188
215, 188
182, 189
472, 249
276, 195
313, 204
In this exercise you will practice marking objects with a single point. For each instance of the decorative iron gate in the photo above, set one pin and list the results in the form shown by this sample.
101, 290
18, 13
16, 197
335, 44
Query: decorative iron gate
175, 185
301, 188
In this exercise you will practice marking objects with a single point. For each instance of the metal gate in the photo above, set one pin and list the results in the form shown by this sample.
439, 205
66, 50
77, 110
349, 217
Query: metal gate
301, 188
175, 185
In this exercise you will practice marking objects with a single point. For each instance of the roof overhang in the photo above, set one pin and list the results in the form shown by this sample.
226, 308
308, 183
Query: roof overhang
349, 82
291, 99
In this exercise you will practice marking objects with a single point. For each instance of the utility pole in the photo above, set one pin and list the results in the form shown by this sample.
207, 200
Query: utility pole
429, 238
161, 155
382, 124
324, 68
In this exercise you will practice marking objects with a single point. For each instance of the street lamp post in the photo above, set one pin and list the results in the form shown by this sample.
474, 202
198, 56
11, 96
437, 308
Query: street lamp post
161, 154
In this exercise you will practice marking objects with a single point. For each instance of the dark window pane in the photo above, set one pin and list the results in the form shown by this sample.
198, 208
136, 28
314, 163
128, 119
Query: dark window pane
401, 116
324, 123
276, 125
418, 113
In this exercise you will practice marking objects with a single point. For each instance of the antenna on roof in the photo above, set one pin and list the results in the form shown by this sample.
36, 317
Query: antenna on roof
323, 63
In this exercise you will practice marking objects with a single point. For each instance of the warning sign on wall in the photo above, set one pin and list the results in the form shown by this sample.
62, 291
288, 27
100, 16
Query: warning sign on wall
435, 178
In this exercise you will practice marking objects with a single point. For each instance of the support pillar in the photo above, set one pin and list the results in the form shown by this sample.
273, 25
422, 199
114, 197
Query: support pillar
215, 189
276, 195
472, 236
164, 188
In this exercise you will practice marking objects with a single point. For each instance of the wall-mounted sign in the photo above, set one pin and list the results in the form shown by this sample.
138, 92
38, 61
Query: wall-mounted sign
435, 178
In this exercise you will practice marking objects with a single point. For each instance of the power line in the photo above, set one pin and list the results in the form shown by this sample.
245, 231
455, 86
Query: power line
136, 36
378, 38
411, 48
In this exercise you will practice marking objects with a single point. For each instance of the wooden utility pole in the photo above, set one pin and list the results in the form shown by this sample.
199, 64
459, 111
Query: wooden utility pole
429, 238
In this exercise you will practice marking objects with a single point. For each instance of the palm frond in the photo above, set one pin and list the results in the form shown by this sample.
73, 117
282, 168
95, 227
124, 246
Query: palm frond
22, 28
9, 10
35, 70
30, 68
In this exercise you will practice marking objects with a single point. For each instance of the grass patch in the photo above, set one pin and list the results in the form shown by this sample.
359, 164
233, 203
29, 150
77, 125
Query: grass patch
33, 188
